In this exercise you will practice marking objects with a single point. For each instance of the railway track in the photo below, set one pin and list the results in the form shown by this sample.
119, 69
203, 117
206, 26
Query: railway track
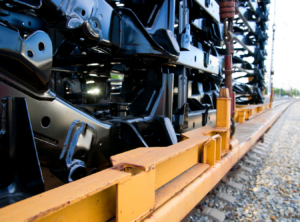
227, 201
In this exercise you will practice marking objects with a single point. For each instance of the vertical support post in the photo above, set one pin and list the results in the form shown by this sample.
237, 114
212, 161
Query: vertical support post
241, 116
227, 12
209, 152
170, 90
171, 15
181, 17
163, 108
218, 140
132, 205
21, 174
182, 87
223, 116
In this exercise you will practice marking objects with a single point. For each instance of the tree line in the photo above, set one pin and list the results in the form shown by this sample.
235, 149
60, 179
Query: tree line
292, 92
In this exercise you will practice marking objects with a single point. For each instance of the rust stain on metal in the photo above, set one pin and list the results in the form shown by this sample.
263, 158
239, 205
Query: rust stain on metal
123, 166
41, 214
206, 143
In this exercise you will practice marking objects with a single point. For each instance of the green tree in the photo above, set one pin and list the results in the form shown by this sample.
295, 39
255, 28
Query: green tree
295, 92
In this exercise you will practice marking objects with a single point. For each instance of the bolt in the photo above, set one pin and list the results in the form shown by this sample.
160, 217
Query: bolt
3, 100
29, 53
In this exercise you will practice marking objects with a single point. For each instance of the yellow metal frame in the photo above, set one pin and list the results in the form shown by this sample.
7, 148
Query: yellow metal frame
247, 112
153, 184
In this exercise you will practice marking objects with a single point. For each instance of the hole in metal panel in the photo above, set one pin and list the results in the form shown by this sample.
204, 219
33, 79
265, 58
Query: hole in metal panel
45, 122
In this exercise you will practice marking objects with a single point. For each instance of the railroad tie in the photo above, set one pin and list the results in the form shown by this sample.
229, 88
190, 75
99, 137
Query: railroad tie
226, 197
247, 169
270, 136
261, 150
214, 214
243, 176
264, 149
264, 144
268, 141
253, 157
258, 152
235, 185
250, 162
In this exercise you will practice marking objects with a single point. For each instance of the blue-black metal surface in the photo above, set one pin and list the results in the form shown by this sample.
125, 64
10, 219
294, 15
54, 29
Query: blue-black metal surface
21, 175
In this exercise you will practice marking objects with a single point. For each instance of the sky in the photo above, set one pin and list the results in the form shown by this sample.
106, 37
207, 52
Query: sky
286, 44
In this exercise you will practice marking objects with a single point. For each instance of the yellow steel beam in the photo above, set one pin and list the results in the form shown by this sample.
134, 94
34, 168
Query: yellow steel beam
166, 164
247, 112
128, 189
89, 199
180, 205
175, 186
148, 179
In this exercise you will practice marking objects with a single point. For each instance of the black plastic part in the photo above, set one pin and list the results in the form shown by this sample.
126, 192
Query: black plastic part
196, 105
182, 117
160, 132
21, 175
129, 138
143, 103
76, 154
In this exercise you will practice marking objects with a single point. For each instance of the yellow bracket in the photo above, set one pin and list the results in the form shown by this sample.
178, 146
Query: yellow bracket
247, 112
218, 140
209, 152
241, 116
136, 196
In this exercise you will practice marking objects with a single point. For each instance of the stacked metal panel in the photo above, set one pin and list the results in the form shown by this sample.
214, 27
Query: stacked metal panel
61, 57
250, 40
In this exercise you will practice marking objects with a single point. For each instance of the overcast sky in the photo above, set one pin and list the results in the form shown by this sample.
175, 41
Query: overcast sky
287, 47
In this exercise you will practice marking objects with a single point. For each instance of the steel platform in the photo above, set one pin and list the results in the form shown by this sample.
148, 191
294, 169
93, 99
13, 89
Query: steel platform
152, 184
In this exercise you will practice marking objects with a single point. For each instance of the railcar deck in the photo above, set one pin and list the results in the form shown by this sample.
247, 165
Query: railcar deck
152, 184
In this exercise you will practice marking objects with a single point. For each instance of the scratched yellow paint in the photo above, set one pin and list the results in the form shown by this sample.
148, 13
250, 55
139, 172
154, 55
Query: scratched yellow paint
135, 196
98, 207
